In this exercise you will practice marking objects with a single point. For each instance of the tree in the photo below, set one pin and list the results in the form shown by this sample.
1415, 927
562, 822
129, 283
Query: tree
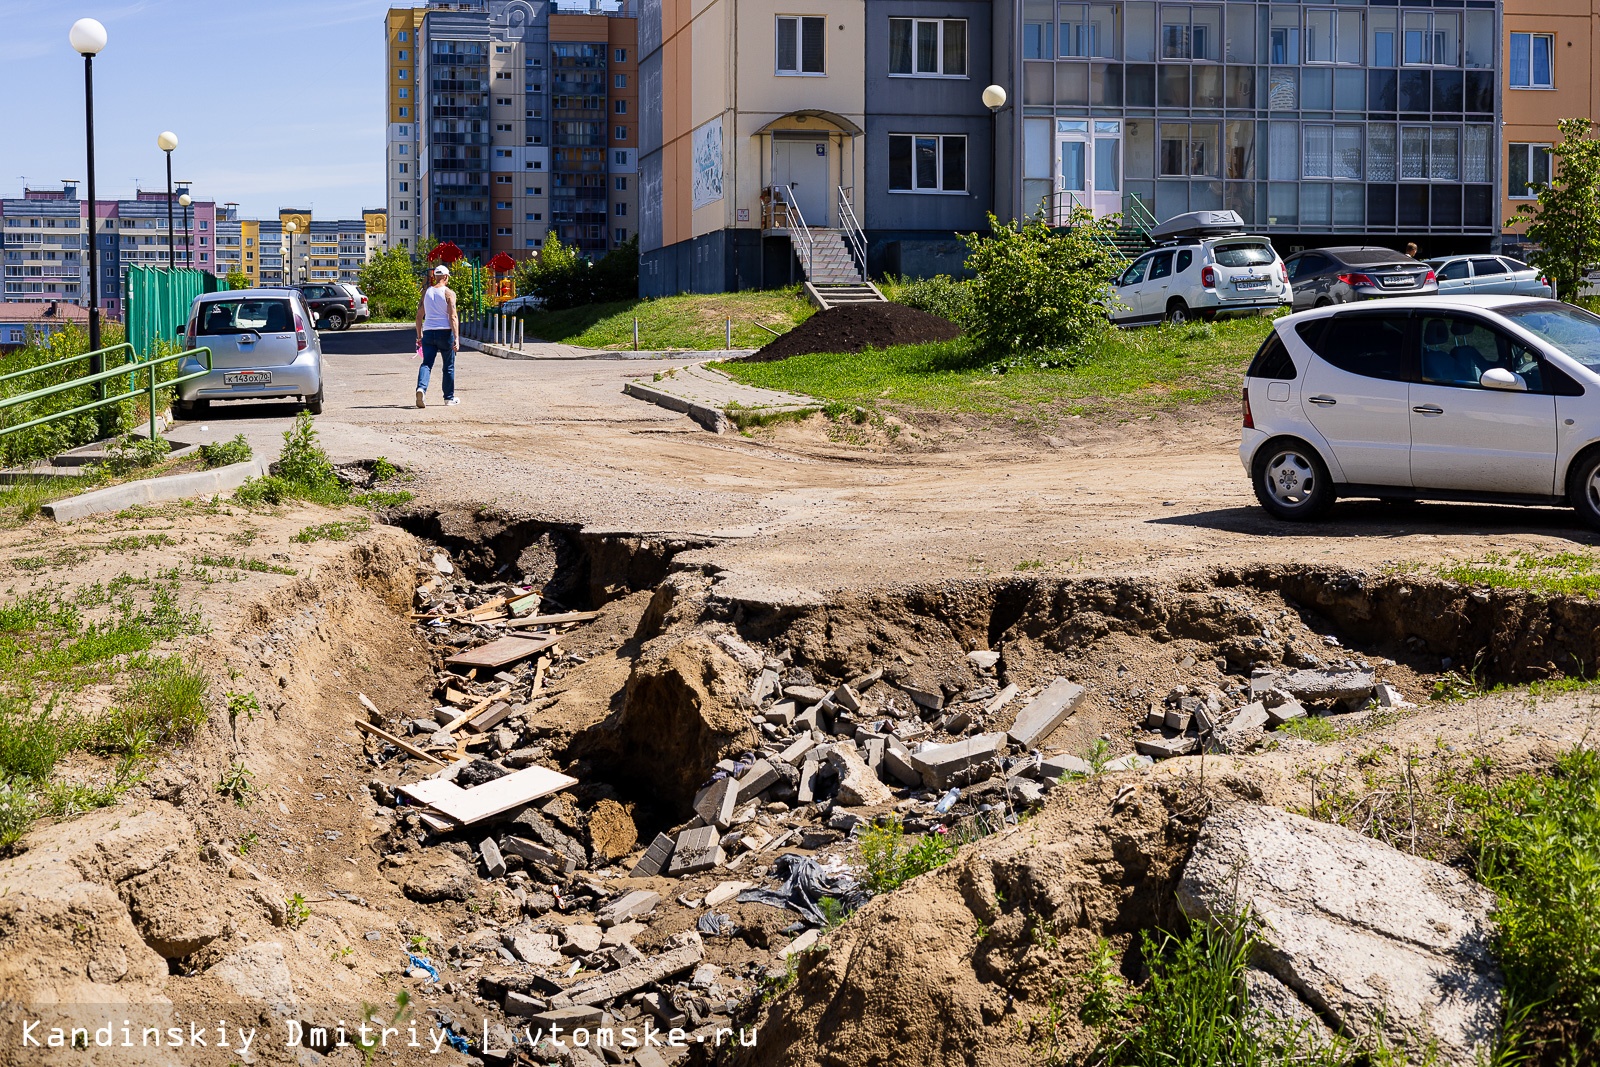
238, 279
1040, 294
1564, 220
561, 278
390, 281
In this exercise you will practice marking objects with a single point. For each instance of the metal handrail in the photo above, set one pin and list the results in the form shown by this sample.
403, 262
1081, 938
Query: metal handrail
854, 235
130, 369
796, 215
1100, 235
1136, 214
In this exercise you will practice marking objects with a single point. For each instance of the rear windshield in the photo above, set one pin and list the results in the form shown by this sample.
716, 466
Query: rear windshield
224, 317
1252, 255
1572, 330
1359, 257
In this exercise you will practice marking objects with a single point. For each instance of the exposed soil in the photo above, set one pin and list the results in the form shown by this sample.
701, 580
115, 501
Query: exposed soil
855, 327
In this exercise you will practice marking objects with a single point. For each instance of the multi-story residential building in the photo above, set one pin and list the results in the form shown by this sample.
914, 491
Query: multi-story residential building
22, 320
1549, 73
272, 240
230, 241
43, 241
1327, 124
474, 134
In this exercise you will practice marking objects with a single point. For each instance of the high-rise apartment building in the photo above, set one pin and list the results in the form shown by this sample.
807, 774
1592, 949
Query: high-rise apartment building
43, 241
509, 117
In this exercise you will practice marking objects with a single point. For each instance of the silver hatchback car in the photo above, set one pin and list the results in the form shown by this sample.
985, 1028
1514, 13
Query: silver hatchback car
1485, 275
262, 348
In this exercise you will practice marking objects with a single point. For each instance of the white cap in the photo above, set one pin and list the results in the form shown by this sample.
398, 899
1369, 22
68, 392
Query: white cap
441, 271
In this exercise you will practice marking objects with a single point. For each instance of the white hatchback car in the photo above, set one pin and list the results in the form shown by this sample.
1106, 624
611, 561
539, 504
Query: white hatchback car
1479, 398
1205, 267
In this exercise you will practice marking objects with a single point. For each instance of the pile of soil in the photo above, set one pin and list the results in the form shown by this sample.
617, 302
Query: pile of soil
854, 327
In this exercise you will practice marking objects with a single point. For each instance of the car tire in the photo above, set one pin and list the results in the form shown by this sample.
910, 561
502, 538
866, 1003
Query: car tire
314, 403
334, 319
1583, 489
1177, 311
1323, 302
1291, 481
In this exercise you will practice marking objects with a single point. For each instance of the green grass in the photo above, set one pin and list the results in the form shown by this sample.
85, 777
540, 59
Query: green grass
1563, 573
1139, 370
1536, 840
333, 531
888, 860
694, 321
225, 453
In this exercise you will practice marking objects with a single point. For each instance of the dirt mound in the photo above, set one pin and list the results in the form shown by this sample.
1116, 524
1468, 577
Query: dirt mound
855, 327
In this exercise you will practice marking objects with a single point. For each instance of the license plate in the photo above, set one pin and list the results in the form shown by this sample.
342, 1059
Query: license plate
1396, 279
1249, 283
248, 377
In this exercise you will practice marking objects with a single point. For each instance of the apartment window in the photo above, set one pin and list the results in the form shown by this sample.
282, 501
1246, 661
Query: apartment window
403, 56
1530, 60
928, 163
1191, 32
1527, 167
1088, 31
502, 179
405, 112
501, 49
405, 224
800, 44
1189, 149
621, 185
503, 231
621, 210
404, 37
249, 242
502, 127
535, 216
621, 236
1431, 39
405, 94
535, 190
402, 74
405, 187
405, 150
503, 101
622, 133
620, 158
1333, 36
405, 168
621, 55
502, 205
622, 107
502, 76
1332, 151
619, 81
405, 205
928, 47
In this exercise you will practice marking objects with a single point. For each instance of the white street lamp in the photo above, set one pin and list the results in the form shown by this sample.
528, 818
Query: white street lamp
994, 98
167, 142
87, 37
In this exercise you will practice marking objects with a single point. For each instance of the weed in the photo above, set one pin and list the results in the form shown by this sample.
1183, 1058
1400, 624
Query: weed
128, 454
1563, 573
297, 911
302, 472
240, 563
383, 470
226, 453
418, 943
341, 954
236, 784
248, 842
753, 418
888, 862
1311, 728
333, 531
164, 705
244, 704
1030, 565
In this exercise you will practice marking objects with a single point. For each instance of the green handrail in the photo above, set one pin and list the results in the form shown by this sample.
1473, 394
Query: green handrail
130, 370
1135, 213
1101, 236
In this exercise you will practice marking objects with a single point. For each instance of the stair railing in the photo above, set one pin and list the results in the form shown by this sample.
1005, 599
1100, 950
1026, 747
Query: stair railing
1136, 215
797, 223
1101, 237
854, 235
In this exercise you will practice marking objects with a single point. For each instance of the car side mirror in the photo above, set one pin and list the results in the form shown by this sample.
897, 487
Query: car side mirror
1504, 380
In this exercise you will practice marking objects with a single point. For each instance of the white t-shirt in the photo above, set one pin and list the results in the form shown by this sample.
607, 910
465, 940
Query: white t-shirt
436, 308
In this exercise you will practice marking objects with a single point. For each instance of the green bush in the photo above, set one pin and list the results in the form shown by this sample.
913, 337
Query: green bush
389, 281
1040, 294
562, 279
939, 295
226, 453
127, 454
888, 862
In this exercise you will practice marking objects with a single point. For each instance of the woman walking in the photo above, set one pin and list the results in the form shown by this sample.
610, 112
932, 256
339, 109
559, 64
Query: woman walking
438, 333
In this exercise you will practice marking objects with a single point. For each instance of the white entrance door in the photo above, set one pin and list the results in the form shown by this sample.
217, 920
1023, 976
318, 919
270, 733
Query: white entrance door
1089, 156
803, 166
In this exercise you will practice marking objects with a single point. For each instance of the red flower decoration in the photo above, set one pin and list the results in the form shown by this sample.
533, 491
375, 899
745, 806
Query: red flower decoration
446, 253
502, 264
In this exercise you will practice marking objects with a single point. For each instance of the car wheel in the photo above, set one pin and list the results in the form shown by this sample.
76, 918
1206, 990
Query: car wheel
1323, 302
1583, 489
1177, 311
314, 404
335, 320
1291, 481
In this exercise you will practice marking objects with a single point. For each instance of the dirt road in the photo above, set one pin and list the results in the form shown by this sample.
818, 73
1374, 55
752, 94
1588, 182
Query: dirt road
558, 440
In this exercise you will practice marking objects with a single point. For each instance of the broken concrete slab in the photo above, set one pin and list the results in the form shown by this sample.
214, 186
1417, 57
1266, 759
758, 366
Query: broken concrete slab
939, 765
521, 1004
925, 696
632, 905
1045, 712
1315, 687
796, 751
637, 975
983, 659
1389, 696
717, 801
858, 785
804, 695
800, 944
847, 698
537, 853
759, 778
765, 684
580, 939
568, 1016
494, 864
806, 790
1167, 747
1054, 767
1024, 792
1132, 762
1175, 719
724, 892
696, 850
872, 752
622, 933
741, 653
1002, 698
654, 859
1364, 933
1244, 731
898, 761
1286, 711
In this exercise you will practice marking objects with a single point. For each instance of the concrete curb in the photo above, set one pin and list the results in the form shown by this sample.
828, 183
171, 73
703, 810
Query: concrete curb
707, 416
575, 353
155, 491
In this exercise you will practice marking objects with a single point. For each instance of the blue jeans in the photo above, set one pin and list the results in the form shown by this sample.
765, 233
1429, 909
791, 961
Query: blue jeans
436, 343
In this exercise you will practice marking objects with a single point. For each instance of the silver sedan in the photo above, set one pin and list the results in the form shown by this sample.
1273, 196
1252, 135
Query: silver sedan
1485, 275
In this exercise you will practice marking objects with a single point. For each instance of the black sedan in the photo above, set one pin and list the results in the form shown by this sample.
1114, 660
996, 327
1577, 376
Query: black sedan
1324, 276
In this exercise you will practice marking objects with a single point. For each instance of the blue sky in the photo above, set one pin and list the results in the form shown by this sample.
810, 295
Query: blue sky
275, 102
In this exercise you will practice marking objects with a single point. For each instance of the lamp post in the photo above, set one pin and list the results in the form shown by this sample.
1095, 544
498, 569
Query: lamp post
994, 98
288, 261
188, 250
167, 142
87, 38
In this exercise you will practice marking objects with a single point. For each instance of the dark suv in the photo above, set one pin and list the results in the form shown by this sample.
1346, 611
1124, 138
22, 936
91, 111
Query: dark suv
333, 304
1324, 276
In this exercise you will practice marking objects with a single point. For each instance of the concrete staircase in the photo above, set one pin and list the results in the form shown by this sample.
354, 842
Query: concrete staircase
835, 277
1131, 242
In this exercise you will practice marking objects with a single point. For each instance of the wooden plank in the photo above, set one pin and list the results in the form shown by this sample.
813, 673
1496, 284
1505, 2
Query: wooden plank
552, 620
491, 717
524, 604
468, 806
497, 654
403, 746
456, 697
454, 724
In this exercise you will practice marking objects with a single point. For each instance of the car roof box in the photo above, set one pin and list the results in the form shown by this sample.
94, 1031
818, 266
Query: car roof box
1198, 224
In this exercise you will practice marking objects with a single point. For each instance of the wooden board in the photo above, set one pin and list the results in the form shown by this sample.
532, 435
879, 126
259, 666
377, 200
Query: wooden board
497, 654
491, 717
468, 806
553, 620
403, 746
477, 709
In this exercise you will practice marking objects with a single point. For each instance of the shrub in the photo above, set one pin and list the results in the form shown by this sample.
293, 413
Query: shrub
226, 453
390, 281
127, 454
1040, 294
939, 295
562, 279
888, 862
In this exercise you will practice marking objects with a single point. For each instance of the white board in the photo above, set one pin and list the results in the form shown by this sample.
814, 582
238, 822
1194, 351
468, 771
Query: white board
468, 806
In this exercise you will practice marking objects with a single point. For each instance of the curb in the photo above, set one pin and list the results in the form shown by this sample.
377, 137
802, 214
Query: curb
155, 491
702, 355
707, 416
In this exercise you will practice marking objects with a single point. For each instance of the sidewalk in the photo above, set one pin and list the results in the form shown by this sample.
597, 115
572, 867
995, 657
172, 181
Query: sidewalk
705, 395
554, 350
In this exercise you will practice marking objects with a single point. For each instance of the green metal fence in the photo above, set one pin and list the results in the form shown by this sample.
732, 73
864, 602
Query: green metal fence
157, 303
132, 370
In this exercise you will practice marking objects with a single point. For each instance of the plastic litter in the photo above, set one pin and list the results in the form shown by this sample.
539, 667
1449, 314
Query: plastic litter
716, 924
947, 801
805, 883
422, 962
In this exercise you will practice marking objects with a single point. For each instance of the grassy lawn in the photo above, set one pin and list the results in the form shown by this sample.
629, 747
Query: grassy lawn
1560, 573
1147, 369
693, 321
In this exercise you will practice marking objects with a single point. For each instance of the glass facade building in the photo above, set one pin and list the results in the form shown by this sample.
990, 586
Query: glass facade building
1364, 119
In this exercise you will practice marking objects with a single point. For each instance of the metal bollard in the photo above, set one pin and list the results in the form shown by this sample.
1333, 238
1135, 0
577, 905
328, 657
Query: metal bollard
636, 335
730, 335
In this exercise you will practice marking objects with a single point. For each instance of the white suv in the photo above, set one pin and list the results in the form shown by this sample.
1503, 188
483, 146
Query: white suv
1478, 398
1206, 266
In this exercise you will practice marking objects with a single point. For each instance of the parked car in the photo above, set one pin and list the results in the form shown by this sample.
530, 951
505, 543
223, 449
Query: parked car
262, 347
1490, 275
521, 303
1205, 266
331, 303
362, 309
1487, 398
1323, 276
